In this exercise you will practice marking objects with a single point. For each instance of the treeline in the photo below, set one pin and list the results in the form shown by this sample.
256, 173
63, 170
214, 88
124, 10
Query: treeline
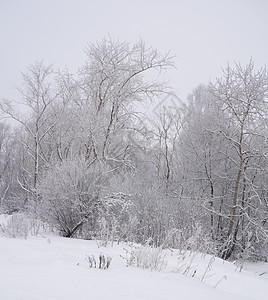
190, 175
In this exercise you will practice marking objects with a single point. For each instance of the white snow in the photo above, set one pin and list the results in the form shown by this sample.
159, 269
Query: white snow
56, 268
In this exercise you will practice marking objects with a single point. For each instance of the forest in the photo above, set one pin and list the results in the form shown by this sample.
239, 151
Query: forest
82, 157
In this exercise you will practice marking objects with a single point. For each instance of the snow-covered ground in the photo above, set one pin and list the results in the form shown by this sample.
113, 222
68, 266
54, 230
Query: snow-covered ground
52, 267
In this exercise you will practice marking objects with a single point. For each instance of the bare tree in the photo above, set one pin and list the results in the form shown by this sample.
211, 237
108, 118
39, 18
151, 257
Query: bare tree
203, 160
9, 169
111, 83
166, 130
243, 93
98, 116
37, 95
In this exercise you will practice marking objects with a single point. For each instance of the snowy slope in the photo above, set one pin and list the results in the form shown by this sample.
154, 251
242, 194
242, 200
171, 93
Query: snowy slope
56, 268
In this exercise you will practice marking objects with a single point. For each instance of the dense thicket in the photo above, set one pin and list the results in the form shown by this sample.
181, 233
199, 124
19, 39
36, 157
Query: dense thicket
190, 175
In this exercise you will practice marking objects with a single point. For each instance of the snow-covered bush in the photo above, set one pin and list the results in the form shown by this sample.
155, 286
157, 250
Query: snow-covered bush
22, 225
155, 216
146, 257
69, 196
17, 226
153, 258
117, 218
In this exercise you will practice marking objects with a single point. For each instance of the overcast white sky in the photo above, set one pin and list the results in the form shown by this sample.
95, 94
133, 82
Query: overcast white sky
203, 34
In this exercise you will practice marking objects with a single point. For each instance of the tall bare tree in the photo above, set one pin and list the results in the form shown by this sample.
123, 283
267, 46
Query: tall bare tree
243, 92
37, 96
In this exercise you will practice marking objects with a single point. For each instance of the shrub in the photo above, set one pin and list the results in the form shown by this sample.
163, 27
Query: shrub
69, 196
146, 257
21, 225
17, 227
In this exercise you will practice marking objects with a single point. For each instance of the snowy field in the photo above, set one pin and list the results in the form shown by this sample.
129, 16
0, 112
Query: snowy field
51, 267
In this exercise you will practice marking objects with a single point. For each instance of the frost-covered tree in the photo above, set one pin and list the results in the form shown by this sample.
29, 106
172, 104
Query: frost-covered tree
98, 113
37, 95
222, 149
202, 163
111, 83
9, 169
166, 130
243, 93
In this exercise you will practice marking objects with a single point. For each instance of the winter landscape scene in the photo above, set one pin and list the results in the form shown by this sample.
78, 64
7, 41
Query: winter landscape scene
134, 150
